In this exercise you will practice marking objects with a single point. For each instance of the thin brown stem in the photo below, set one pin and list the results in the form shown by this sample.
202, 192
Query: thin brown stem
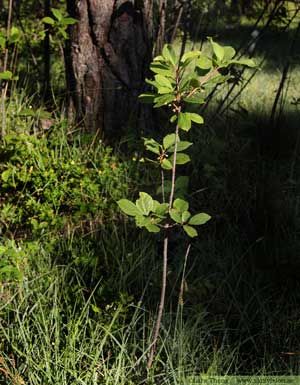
183, 282
174, 165
163, 186
161, 304
179, 16
4, 85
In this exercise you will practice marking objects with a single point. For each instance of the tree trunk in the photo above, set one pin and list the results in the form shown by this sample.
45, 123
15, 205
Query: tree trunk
107, 58
47, 65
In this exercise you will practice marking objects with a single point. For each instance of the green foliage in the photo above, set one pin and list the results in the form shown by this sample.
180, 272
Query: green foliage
178, 82
58, 185
59, 23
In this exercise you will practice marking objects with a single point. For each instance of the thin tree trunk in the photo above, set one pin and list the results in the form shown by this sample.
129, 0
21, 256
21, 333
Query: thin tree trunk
5, 64
47, 74
107, 59
160, 40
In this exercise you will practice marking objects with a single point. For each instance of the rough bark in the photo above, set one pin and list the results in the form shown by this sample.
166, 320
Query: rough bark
107, 59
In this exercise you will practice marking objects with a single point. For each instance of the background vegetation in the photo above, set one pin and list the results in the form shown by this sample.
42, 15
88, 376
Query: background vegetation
79, 285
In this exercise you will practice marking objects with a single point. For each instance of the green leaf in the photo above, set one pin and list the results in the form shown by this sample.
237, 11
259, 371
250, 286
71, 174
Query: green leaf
176, 216
152, 145
185, 216
244, 62
68, 21
190, 56
199, 219
14, 35
163, 100
184, 122
152, 228
181, 205
129, 207
161, 209
173, 118
191, 231
159, 58
218, 50
181, 146
142, 221
169, 54
181, 158
145, 203
3, 249
5, 175
195, 117
164, 82
166, 164
63, 32
95, 308
152, 83
162, 69
58, 15
6, 75
194, 100
204, 63
2, 42
48, 20
169, 140
147, 98
229, 53
163, 90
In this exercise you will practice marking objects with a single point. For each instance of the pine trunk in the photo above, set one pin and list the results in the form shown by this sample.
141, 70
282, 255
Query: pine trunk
107, 58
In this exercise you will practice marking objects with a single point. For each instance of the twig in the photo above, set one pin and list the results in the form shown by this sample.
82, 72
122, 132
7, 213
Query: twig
5, 83
161, 304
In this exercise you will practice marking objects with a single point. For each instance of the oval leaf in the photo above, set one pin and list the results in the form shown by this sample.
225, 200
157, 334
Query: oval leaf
129, 207
199, 219
169, 140
185, 216
152, 145
169, 54
181, 158
57, 14
191, 231
163, 100
145, 203
152, 228
181, 146
176, 216
48, 20
6, 75
195, 118
181, 205
166, 164
218, 50
162, 81
147, 98
184, 122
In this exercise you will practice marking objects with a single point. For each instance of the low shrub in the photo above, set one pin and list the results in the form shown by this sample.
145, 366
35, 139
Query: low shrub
52, 184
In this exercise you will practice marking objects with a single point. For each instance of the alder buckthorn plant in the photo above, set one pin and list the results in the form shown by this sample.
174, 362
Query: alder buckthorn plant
178, 84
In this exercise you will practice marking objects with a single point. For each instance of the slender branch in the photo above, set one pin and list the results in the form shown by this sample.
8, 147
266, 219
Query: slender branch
180, 298
161, 304
178, 111
4, 84
163, 186
174, 165
179, 16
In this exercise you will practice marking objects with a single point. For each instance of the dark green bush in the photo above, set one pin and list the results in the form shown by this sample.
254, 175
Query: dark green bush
50, 184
